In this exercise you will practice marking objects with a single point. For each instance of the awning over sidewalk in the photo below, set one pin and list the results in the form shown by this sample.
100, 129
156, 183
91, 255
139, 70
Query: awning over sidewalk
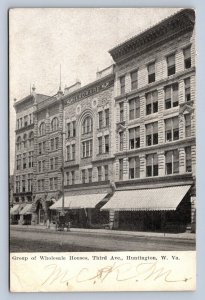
26, 210
167, 198
78, 201
15, 209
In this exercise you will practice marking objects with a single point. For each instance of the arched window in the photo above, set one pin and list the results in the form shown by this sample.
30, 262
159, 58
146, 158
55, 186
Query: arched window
54, 124
25, 140
18, 143
87, 125
42, 129
31, 139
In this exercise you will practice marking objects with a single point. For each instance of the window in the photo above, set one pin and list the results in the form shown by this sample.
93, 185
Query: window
30, 187
151, 72
52, 144
73, 177
18, 143
74, 128
31, 139
51, 163
87, 148
172, 129
121, 106
152, 134
87, 125
100, 145
171, 96
83, 176
56, 142
171, 65
68, 130
187, 89
152, 165
25, 121
107, 117
50, 183
56, 162
67, 178
134, 79
100, 119
134, 108
188, 159
30, 118
106, 172
55, 183
24, 161
44, 146
121, 140
18, 162
30, 159
172, 162
43, 165
122, 85
23, 183
54, 124
152, 102
68, 152
42, 129
73, 151
134, 167
18, 185
187, 118
134, 138
99, 173
121, 169
25, 141
21, 122
90, 175
107, 144
187, 58
17, 124
39, 166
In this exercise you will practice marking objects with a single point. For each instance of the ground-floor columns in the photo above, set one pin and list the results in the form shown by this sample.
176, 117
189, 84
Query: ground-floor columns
113, 219
193, 213
21, 220
34, 219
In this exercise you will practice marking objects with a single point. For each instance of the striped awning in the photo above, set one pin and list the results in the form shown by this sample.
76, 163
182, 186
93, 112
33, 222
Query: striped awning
15, 209
78, 201
167, 198
26, 210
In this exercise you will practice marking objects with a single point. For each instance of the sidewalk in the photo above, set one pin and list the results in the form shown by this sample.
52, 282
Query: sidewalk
184, 235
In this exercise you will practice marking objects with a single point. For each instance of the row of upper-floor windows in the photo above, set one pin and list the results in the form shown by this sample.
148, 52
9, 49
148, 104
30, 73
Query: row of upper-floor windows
171, 132
24, 121
152, 165
53, 164
43, 128
24, 183
24, 161
171, 99
26, 141
151, 70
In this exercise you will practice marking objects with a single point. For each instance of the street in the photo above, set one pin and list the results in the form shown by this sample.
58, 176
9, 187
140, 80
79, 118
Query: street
27, 240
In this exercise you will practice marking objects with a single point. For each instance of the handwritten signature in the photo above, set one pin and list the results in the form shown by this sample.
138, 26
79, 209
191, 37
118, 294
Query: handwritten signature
118, 272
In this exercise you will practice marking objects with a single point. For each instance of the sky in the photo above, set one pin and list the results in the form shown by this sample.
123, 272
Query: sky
40, 40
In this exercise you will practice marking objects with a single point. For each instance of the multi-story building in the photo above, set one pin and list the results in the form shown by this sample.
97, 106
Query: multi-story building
155, 127
121, 149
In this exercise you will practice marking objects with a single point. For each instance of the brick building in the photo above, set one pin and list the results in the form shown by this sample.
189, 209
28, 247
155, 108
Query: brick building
126, 141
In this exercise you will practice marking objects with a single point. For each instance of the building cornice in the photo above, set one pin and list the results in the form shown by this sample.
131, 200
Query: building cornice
181, 22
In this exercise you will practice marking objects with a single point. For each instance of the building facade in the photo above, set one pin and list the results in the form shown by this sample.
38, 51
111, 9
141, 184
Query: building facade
121, 149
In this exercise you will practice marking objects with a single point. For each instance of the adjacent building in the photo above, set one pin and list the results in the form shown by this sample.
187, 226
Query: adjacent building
119, 152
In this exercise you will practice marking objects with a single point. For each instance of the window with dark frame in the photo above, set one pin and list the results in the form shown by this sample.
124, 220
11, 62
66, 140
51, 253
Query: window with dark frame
90, 175
106, 172
172, 162
134, 167
83, 176
187, 118
107, 117
87, 125
121, 169
121, 107
134, 108
121, 140
68, 130
171, 96
187, 89
171, 67
152, 134
152, 165
68, 152
134, 79
87, 148
188, 159
172, 129
74, 128
100, 119
187, 58
107, 146
99, 173
151, 102
122, 85
72, 177
100, 145
151, 72
134, 138
73, 151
